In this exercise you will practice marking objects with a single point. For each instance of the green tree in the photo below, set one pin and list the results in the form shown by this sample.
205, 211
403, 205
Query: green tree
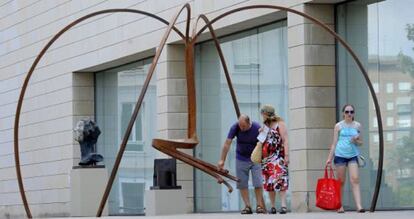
410, 32
406, 64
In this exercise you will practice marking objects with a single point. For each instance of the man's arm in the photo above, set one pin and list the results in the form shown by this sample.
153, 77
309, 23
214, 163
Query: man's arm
224, 152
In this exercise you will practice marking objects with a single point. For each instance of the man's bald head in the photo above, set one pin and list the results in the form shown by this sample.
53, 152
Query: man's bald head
244, 122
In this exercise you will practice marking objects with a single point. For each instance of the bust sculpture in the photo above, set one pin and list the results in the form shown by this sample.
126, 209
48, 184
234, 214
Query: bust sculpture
87, 133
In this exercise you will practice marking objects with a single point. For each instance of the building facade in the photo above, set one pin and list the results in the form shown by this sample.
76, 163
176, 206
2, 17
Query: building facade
97, 70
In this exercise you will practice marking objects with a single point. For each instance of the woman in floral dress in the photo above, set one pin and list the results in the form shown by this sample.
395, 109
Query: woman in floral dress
275, 158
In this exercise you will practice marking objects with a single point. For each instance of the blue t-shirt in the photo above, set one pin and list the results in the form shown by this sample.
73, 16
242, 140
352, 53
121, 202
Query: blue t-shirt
246, 141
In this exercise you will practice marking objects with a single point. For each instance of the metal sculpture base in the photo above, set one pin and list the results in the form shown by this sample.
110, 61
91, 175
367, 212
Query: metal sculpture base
87, 186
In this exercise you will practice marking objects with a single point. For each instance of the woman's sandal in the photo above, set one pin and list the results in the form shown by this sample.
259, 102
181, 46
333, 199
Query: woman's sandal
361, 210
273, 210
247, 210
341, 210
283, 210
260, 210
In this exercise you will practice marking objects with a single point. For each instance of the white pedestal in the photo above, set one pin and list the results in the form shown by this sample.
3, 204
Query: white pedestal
165, 202
87, 188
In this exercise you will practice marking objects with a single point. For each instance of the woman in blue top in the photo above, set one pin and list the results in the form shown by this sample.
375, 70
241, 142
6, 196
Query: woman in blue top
344, 151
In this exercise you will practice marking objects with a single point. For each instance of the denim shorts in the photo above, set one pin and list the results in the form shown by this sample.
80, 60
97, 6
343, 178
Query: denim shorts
342, 161
242, 172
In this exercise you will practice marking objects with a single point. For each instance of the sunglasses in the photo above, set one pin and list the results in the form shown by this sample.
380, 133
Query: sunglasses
349, 112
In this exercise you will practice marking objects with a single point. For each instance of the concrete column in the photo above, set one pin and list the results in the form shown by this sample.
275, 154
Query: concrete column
172, 110
312, 101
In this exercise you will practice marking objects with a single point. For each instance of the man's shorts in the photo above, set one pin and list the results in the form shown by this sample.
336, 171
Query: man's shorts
342, 161
242, 172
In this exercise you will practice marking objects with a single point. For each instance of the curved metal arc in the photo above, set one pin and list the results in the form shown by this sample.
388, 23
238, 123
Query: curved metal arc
136, 110
356, 59
29, 74
222, 59
187, 28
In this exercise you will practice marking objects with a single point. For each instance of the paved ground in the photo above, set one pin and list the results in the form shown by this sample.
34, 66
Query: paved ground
313, 215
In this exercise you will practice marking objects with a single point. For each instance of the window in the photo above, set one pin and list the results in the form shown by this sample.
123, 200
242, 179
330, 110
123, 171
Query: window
390, 105
404, 86
404, 173
376, 87
404, 121
390, 121
390, 88
131, 196
375, 138
403, 100
257, 61
379, 30
375, 122
403, 105
244, 60
390, 136
116, 92
135, 142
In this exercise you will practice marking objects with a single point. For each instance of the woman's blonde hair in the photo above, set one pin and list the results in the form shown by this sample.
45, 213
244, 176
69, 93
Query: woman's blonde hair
271, 116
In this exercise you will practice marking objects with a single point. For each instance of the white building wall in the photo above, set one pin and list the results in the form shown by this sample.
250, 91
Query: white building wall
57, 97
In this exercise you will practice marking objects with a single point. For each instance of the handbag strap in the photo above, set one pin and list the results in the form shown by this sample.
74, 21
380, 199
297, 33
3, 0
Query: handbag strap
331, 172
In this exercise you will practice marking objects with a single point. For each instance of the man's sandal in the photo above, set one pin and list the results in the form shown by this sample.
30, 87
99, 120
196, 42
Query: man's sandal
260, 210
247, 210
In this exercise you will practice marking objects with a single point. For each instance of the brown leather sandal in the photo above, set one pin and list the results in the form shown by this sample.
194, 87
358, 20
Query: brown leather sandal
260, 210
247, 210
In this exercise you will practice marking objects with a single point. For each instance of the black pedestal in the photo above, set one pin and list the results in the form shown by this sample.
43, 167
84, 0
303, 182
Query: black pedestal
165, 174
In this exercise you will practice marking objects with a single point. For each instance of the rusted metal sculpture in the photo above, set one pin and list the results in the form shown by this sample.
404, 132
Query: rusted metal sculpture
170, 146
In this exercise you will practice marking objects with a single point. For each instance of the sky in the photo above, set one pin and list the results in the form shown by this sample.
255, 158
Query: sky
389, 19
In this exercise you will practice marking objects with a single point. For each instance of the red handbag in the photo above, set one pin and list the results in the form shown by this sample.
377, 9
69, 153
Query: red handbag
328, 191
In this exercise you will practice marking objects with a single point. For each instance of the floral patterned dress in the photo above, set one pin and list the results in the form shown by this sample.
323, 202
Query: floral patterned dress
274, 169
